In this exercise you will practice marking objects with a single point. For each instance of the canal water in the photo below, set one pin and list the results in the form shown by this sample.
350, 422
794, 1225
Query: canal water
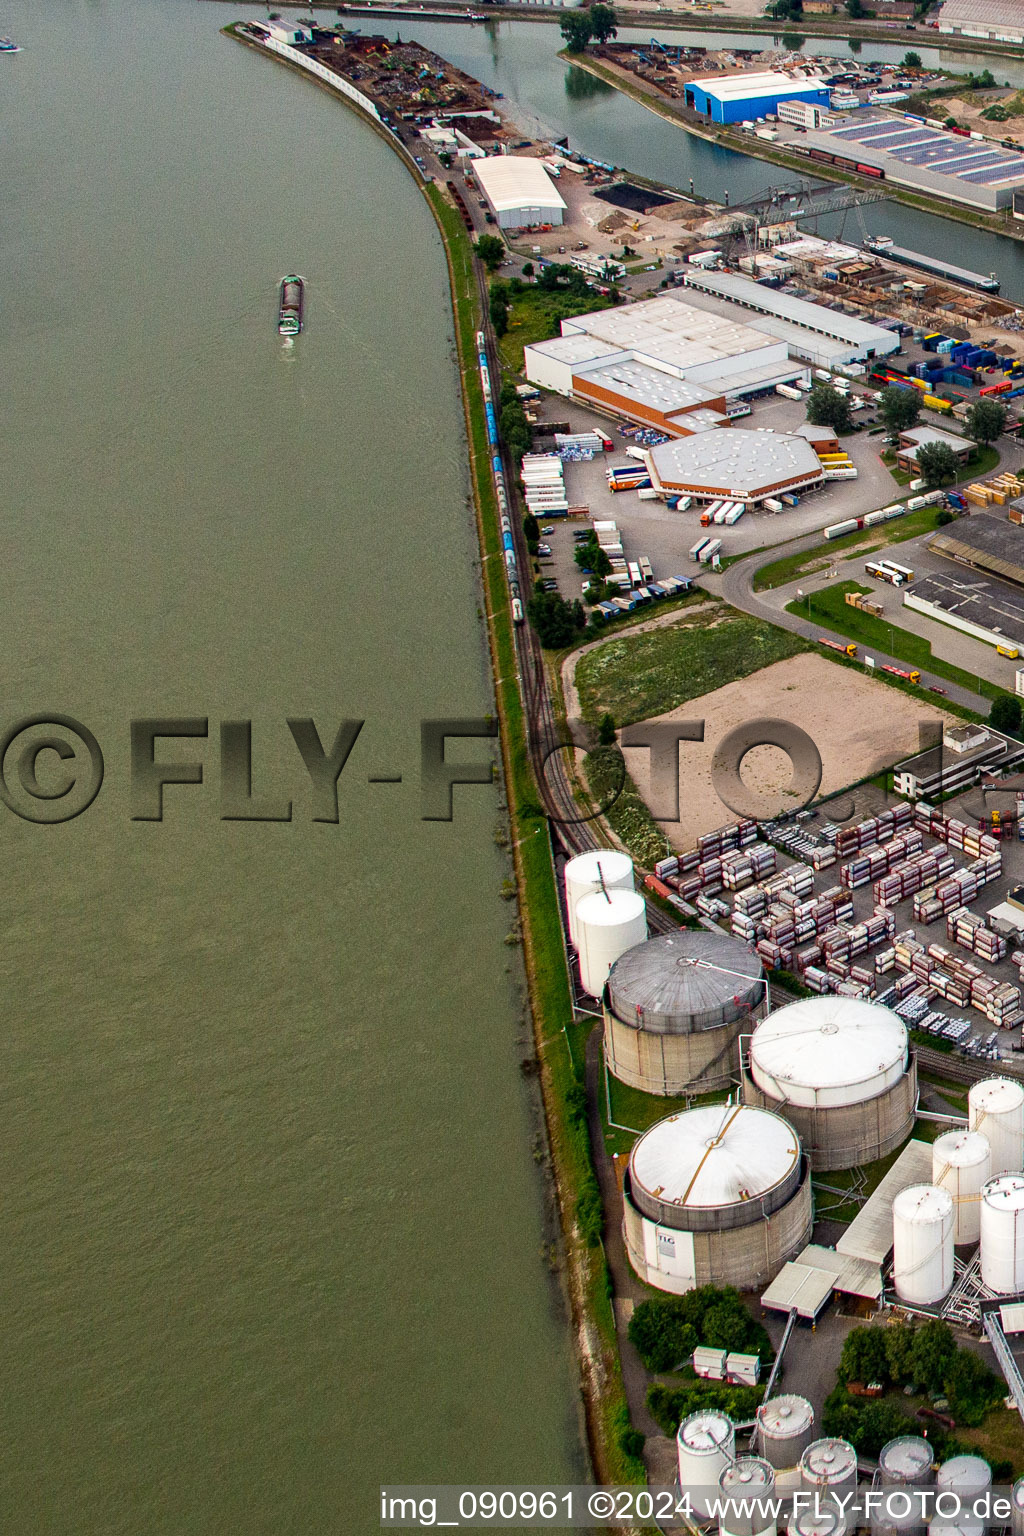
554, 98
271, 1222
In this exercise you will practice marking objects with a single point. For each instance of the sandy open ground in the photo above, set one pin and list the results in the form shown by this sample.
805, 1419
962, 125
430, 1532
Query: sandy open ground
858, 725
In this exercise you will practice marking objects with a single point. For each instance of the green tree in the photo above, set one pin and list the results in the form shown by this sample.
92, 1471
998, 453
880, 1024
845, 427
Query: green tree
556, 621
491, 251
725, 1327
577, 31
899, 1343
912, 61
603, 22
971, 1387
1005, 714
531, 529
855, 10
937, 464
899, 407
498, 310
659, 1334
829, 407
606, 737
864, 1357
528, 269
985, 420
932, 1354
943, 517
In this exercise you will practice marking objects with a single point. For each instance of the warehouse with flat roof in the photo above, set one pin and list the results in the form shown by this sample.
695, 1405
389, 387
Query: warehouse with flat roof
998, 21
986, 543
976, 172
824, 337
987, 610
519, 191
738, 465
924, 437
740, 98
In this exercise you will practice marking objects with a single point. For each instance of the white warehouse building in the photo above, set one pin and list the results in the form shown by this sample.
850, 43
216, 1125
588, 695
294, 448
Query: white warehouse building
519, 191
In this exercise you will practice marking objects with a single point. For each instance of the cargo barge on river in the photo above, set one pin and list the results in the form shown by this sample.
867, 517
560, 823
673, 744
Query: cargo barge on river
881, 245
289, 313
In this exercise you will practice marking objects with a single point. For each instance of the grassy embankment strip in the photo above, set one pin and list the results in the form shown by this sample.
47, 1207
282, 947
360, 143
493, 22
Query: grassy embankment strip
560, 1043
830, 607
640, 676
746, 144
864, 542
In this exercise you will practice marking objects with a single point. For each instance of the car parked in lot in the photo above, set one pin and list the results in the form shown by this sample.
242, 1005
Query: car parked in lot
543, 549
550, 585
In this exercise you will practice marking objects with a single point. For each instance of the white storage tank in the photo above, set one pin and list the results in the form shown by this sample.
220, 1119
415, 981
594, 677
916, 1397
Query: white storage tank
962, 1163
674, 1010
719, 1195
785, 1428
607, 924
1002, 1234
829, 1466
823, 1522
841, 1071
1017, 1508
967, 1476
996, 1108
906, 1462
705, 1446
749, 1481
923, 1219
585, 874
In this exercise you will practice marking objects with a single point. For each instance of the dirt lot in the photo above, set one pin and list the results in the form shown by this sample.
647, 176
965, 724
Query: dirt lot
857, 727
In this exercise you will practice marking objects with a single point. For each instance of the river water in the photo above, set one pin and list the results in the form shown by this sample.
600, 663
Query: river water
271, 1222
554, 98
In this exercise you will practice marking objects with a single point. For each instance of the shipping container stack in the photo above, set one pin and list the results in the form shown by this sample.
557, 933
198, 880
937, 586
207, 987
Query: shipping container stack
971, 932
875, 862
913, 875
877, 829
956, 891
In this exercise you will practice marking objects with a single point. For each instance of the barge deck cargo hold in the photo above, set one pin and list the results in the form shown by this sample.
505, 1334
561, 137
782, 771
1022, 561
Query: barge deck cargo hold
880, 246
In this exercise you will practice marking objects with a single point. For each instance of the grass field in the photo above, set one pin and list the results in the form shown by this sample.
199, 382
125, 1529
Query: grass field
536, 315
831, 608
866, 541
644, 675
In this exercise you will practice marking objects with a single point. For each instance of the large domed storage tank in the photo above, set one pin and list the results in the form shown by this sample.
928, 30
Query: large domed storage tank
996, 1109
829, 1466
607, 924
1002, 1234
705, 1446
906, 1462
588, 872
750, 1482
719, 1195
785, 1428
962, 1163
841, 1072
969, 1477
674, 1008
923, 1220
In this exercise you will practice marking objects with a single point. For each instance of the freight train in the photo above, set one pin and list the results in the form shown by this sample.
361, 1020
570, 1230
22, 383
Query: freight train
500, 484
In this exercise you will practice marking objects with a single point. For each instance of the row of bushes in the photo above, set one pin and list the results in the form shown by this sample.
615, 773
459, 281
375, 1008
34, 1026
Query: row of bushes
665, 1332
670, 1405
927, 1358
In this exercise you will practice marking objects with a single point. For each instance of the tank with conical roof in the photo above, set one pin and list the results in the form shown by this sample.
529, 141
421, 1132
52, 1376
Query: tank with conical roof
674, 1008
749, 1486
607, 924
785, 1428
962, 1163
841, 1071
705, 1446
829, 1466
996, 1108
719, 1195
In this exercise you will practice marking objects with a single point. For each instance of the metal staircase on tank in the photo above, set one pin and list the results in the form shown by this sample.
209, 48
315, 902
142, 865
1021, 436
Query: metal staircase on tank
963, 1304
993, 1325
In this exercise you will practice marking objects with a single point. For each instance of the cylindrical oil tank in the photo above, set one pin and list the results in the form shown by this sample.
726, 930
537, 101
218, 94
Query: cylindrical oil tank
719, 1195
820, 1522
964, 1526
829, 1466
705, 1446
607, 924
1017, 1508
923, 1220
841, 1071
967, 1476
1002, 1234
906, 1462
586, 873
996, 1108
674, 1008
962, 1163
749, 1481
785, 1428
